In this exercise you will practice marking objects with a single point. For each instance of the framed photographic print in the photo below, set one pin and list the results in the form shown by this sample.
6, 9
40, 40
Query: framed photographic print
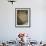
22, 17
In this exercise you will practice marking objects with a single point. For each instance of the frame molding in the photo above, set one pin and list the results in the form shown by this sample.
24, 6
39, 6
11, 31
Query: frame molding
29, 18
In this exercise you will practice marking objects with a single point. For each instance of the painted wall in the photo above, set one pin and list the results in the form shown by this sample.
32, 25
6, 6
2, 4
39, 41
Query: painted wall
8, 31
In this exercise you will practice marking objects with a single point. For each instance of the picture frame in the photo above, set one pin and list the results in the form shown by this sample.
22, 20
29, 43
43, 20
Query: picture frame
22, 17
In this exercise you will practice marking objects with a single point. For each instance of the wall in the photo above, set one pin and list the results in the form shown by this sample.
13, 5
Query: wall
8, 31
